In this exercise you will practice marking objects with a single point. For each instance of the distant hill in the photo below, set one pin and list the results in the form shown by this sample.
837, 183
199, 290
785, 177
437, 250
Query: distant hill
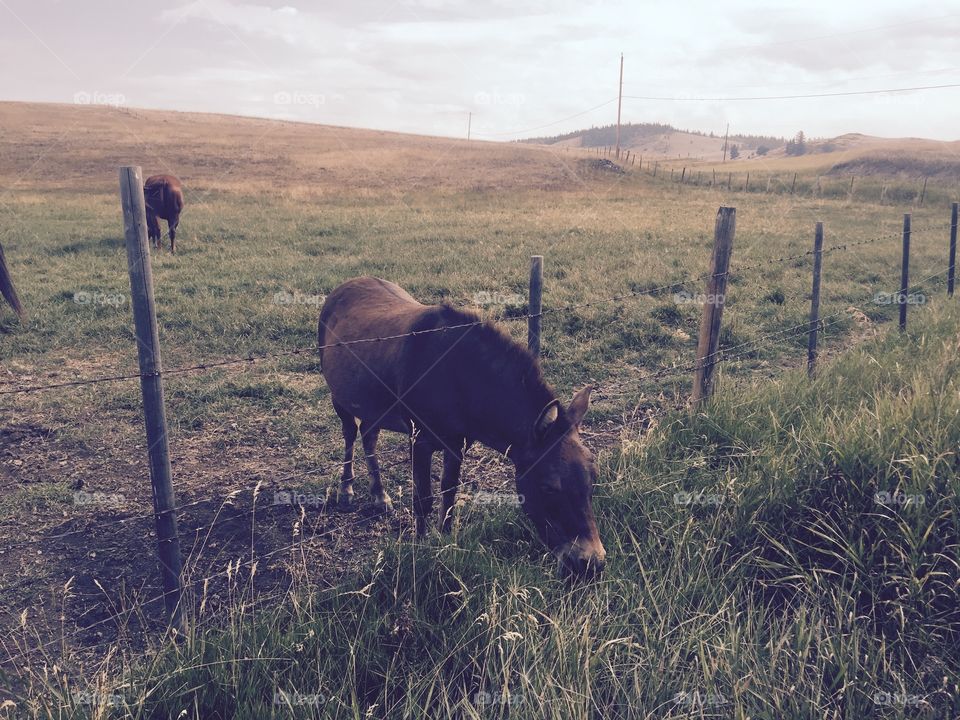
661, 140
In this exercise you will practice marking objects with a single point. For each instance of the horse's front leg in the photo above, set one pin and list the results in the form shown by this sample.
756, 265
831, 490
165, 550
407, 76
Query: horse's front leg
449, 483
422, 490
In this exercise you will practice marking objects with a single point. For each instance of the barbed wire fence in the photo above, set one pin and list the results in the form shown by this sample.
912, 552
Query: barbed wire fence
709, 355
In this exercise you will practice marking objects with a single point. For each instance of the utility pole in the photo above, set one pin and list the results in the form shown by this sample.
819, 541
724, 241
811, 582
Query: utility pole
469, 123
619, 104
725, 136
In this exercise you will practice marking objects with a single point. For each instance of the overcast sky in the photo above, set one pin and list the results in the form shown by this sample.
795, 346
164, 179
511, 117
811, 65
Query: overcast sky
422, 65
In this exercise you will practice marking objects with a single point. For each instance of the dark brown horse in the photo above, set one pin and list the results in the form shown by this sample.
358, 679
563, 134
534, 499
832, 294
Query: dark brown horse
164, 199
6, 287
447, 389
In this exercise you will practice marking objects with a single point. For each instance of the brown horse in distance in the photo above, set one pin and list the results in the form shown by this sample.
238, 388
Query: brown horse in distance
163, 196
458, 381
6, 287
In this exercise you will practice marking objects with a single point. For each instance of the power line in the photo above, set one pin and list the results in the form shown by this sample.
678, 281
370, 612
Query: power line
549, 124
845, 93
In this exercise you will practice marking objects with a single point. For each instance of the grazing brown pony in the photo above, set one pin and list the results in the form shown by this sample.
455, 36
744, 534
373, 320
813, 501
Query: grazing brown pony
6, 287
447, 389
164, 200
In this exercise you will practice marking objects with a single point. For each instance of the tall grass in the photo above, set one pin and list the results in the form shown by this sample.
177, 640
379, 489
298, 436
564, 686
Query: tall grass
790, 551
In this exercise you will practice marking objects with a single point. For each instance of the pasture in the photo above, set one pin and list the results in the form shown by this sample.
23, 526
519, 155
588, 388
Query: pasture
764, 605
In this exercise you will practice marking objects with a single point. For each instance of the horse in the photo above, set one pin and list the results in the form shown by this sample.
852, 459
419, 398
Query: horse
451, 379
163, 197
7, 289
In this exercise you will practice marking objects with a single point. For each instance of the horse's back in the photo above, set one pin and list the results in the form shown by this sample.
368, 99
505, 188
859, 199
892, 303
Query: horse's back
364, 377
164, 195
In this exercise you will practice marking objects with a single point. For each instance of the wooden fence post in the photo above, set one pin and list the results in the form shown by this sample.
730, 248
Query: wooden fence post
683, 175
793, 185
923, 193
746, 185
655, 166
535, 305
729, 181
815, 300
952, 268
151, 388
713, 304
904, 272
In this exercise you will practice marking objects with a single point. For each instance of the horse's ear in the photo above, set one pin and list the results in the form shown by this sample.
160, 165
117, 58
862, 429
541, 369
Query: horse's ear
579, 405
548, 416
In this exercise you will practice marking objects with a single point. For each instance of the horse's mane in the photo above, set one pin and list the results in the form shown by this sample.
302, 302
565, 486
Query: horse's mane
497, 350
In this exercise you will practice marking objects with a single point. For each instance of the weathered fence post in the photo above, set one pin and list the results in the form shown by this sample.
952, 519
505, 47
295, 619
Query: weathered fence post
683, 175
793, 185
151, 388
815, 300
923, 193
746, 185
904, 272
729, 181
713, 304
535, 304
952, 268
655, 166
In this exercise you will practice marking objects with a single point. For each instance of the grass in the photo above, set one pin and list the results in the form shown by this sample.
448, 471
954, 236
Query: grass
782, 590
757, 571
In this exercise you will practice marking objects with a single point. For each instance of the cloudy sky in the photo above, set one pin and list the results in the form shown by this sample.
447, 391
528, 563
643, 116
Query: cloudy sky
522, 67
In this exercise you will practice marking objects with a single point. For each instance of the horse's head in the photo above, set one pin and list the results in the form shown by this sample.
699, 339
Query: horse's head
555, 476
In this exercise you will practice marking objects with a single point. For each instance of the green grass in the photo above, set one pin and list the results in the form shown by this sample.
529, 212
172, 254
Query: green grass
752, 574
791, 597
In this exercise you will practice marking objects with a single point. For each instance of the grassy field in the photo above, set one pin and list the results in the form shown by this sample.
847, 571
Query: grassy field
277, 215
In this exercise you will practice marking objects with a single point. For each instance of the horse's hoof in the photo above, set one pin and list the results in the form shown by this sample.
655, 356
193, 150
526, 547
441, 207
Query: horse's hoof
383, 505
346, 500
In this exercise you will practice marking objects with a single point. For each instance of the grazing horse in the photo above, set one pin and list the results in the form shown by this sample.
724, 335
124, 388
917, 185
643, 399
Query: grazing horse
164, 200
6, 287
458, 380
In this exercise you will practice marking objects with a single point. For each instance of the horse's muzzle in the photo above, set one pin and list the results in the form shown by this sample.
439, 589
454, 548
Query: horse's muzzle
582, 559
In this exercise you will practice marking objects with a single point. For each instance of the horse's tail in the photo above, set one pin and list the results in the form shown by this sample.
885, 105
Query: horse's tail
6, 287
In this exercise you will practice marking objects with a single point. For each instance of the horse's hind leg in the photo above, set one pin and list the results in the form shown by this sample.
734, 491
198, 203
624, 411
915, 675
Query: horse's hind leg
449, 482
153, 228
349, 424
172, 226
368, 436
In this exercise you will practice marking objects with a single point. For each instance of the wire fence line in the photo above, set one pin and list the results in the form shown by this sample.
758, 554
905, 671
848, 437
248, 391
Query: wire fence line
312, 349
727, 354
